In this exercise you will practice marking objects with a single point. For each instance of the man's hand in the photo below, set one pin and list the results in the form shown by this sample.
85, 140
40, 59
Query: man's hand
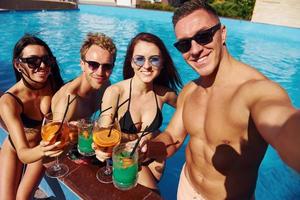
154, 150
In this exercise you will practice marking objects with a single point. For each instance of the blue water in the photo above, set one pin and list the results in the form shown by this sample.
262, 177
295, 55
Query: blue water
273, 50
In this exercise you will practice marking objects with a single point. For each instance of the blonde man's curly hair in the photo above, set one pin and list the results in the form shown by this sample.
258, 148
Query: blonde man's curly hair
100, 40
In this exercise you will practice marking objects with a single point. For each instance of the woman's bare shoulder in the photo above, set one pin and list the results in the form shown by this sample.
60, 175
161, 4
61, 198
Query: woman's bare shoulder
8, 103
119, 87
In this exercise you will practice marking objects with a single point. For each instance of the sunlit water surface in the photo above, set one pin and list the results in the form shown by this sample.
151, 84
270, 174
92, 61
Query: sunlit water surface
273, 50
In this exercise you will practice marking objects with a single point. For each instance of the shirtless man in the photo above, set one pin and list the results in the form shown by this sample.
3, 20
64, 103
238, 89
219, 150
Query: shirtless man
231, 114
98, 54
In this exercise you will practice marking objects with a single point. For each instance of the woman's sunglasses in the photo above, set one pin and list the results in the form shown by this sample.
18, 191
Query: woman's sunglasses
93, 65
140, 60
34, 62
202, 38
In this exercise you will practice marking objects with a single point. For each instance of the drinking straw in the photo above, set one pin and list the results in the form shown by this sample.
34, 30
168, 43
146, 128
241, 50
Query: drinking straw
114, 116
138, 141
65, 114
106, 109
111, 107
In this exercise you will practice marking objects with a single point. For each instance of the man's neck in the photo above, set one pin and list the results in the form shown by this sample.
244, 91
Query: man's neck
86, 90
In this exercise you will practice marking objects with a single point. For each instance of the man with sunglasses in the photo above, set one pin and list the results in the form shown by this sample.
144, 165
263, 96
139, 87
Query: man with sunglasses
231, 113
98, 54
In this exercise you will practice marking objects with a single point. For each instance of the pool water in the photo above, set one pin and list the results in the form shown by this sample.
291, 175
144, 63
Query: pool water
273, 50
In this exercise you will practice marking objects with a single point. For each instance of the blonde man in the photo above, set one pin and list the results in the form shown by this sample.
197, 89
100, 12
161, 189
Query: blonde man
98, 54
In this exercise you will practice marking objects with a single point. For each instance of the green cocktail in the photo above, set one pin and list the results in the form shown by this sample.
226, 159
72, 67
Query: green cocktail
125, 167
85, 138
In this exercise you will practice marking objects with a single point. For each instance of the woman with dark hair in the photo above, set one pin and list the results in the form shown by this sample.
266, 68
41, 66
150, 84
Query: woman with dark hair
151, 80
22, 108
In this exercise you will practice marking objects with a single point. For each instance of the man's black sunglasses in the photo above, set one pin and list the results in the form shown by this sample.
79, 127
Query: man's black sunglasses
34, 62
202, 38
93, 65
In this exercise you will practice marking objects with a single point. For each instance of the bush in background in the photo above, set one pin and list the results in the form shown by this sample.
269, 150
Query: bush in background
239, 9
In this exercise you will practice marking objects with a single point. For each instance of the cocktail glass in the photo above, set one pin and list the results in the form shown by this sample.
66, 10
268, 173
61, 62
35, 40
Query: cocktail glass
125, 166
73, 134
106, 135
85, 137
54, 130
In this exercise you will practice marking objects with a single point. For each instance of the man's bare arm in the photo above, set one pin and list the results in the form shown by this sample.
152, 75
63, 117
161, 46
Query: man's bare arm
175, 133
278, 121
59, 103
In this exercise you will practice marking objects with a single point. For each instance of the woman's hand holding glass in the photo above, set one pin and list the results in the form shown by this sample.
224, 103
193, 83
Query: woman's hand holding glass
50, 150
106, 135
55, 136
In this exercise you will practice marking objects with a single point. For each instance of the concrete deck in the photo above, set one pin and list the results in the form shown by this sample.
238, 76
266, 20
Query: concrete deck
121, 3
99, 2
37, 5
277, 12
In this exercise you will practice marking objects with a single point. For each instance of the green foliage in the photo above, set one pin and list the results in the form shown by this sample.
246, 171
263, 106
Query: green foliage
155, 6
241, 9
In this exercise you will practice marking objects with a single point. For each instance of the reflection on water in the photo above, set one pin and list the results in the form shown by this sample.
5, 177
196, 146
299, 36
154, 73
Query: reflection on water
273, 50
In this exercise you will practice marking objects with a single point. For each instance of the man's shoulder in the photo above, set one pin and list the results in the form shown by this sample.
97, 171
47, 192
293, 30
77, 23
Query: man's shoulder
263, 85
256, 90
70, 87
250, 77
192, 85
189, 88
62, 94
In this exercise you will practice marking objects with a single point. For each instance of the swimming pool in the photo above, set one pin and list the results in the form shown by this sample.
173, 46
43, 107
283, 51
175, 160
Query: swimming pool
273, 50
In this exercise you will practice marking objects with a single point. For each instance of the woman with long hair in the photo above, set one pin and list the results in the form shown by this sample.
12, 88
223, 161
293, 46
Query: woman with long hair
22, 108
151, 80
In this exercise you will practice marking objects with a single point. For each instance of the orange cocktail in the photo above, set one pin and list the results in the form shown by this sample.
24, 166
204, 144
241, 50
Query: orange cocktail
73, 133
106, 139
51, 134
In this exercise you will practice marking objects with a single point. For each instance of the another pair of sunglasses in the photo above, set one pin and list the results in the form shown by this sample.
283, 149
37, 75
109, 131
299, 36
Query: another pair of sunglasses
34, 62
154, 61
202, 38
93, 65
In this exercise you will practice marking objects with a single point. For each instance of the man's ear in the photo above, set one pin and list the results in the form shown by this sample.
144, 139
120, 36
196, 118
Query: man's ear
82, 65
223, 32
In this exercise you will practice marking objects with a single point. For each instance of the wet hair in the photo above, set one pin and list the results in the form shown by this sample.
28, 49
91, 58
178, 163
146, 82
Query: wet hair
100, 40
26, 40
168, 76
189, 7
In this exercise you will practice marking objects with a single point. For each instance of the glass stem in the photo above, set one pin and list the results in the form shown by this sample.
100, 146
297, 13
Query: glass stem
56, 165
107, 168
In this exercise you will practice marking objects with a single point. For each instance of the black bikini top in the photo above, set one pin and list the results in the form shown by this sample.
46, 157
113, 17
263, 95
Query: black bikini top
27, 122
127, 124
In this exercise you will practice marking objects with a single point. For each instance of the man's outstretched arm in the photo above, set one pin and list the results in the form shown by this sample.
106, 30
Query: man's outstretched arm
277, 121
